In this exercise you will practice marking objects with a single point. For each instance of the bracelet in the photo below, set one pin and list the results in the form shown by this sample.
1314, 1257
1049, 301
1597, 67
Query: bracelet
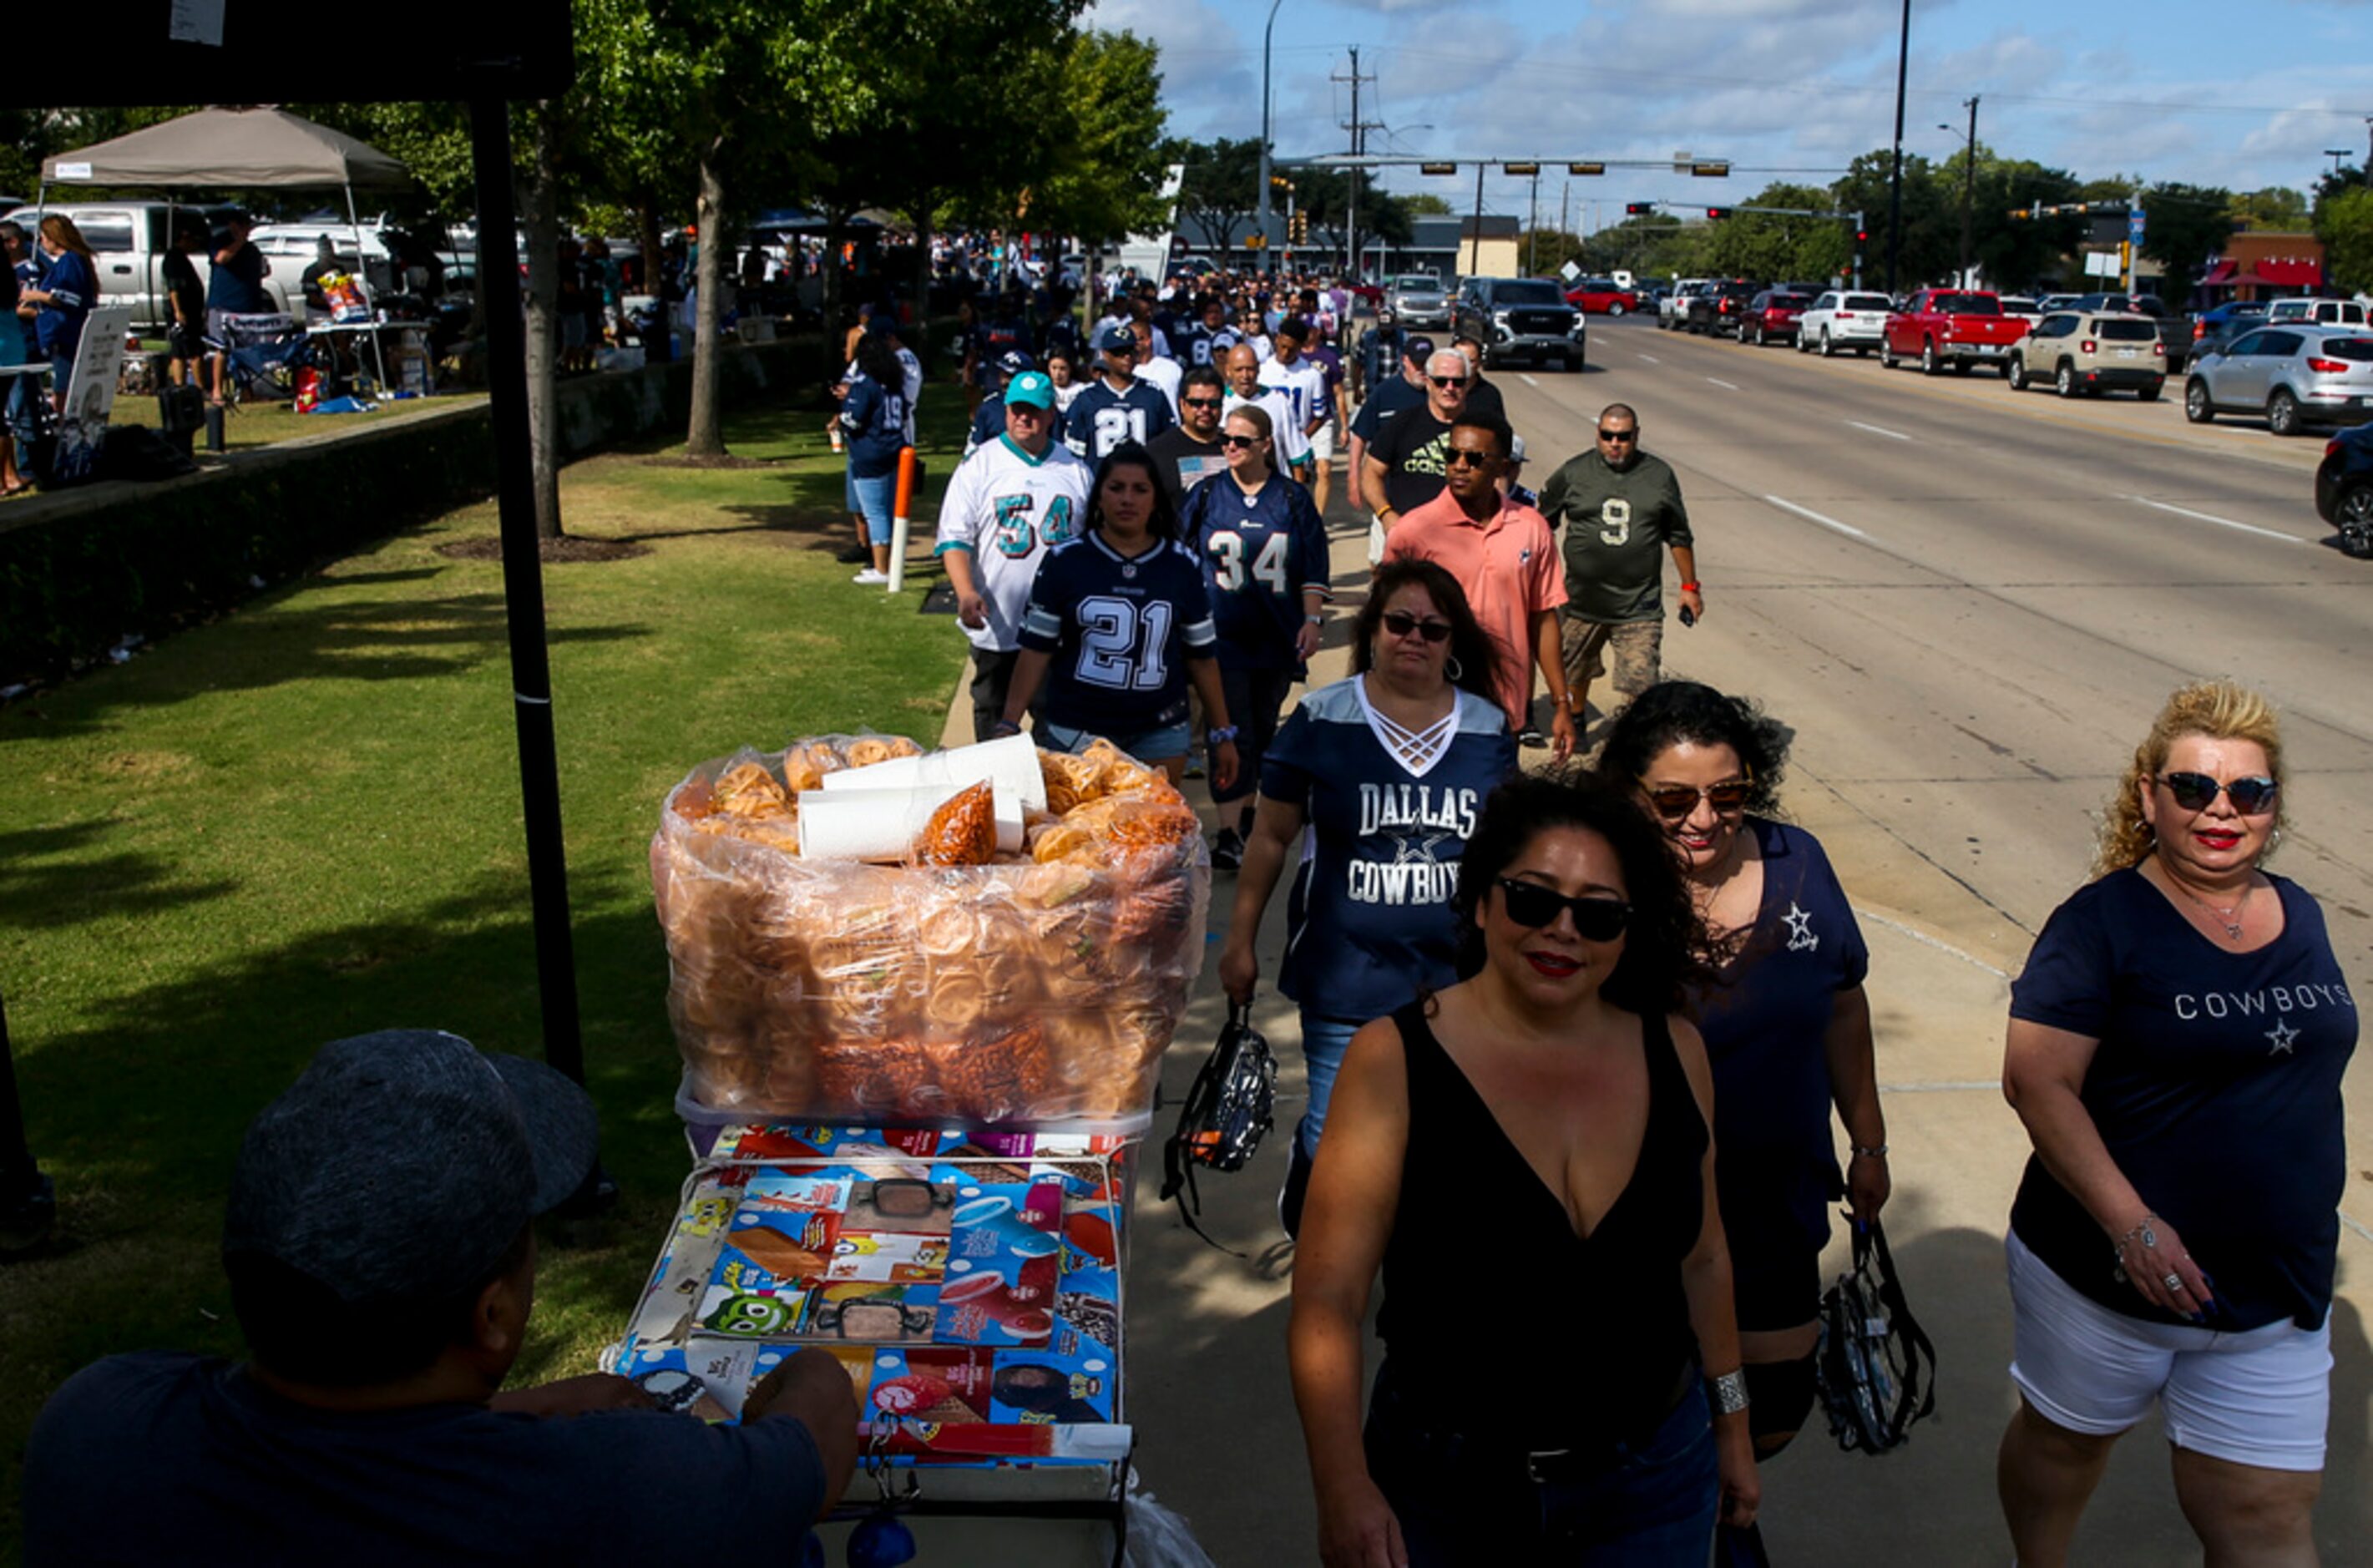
1316, 620
1863, 1153
1004, 728
1729, 1392
1221, 735
2143, 1229
1688, 587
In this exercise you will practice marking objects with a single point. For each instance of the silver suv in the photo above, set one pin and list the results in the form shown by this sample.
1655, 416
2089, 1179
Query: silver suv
1417, 299
2297, 376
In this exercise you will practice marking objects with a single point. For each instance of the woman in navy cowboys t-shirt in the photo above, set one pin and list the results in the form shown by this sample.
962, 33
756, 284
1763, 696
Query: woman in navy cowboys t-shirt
1786, 1026
1387, 771
2176, 1047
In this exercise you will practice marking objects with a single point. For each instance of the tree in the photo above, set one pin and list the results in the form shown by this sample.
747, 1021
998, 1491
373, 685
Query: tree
1543, 250
1772, 247
1104, 158
1931, 246
1426, 203
1346, 209
2276, 208
1220, 190
2187, 228
2343, 221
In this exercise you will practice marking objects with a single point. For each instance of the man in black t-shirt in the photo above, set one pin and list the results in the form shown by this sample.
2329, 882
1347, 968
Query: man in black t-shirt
185, 306
1191, 451
382, 1267
1407, 464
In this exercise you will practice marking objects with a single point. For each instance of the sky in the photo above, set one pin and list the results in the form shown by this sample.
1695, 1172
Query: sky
1783, 90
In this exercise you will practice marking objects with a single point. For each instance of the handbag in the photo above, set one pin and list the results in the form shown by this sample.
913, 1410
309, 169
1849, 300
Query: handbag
1227, 1112
1874, 1365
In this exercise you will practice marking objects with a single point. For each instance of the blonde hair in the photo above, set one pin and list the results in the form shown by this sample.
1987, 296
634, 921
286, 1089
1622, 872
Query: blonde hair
1257, 417
2220, 710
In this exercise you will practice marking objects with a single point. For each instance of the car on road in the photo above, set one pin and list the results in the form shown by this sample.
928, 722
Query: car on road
1772, 317
2215, 329
1673, 310
2297, 376
2343, 489
1604, 297
1714, 309
1960, 327
1417, 299
1842, 319
2323, 312
2174, 331
2051, 302
2020, 305
1520, 318
2090, 352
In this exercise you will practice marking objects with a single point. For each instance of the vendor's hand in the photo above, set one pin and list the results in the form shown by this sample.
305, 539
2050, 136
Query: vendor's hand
1239, 971
972, 610
1742, 1488
1305, 641
1356, 1529
573, 1397
1867, 1185
1562, 738
2149, 1267
1224, 765
1694, 602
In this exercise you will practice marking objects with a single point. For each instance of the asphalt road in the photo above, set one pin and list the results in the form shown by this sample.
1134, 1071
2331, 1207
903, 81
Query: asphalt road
1969, 603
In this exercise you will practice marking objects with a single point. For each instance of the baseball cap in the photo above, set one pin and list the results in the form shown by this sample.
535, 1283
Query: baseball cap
1419, 351
402, 1164
1117, 337
1013, 361
1031, 388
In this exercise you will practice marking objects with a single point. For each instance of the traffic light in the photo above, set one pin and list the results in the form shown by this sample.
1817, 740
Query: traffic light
1639, 209
1297, 228
1717, 212
1256, 241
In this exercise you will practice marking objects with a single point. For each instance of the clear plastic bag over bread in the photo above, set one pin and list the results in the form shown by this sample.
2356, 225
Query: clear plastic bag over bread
1039, 990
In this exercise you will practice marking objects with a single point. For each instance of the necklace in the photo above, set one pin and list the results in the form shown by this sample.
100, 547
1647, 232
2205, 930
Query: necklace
2230, 918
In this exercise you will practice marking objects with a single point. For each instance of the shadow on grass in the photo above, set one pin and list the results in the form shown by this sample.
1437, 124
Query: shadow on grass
48, 881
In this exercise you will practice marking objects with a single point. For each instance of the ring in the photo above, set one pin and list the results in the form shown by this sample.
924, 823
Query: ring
2175, 1281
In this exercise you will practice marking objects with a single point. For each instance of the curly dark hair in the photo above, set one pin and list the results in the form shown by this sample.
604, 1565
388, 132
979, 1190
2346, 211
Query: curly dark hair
1662, 948
1470, 645
1673, 711
1164, 524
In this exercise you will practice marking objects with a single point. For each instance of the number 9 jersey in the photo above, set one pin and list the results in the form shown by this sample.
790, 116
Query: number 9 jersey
1119, 630
1009, 508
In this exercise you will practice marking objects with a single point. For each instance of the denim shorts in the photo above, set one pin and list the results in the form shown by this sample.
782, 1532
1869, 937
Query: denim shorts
1653, 1506
871, 499
1149, 746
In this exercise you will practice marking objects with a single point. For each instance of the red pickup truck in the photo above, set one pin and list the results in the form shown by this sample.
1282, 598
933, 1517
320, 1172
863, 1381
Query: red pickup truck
1951, 326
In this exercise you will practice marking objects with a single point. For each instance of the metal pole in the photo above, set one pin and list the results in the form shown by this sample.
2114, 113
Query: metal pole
1475, 245
1352, 179
547, 871
1268, 260
1533, 230
1895, 181
1968, 193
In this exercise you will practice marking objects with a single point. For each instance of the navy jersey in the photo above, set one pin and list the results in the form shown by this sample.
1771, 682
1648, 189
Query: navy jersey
1100, 418
1371, 922
1766, 1021
875, 418
1192, 340
2215, 1087
1119, 630
1260, 554
987, 423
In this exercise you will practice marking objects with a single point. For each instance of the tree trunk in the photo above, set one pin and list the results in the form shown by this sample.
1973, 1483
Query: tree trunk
707, 436
647, 232
539, 215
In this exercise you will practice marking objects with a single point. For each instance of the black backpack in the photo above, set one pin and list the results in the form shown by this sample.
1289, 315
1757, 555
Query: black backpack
1226, 1114
1874, 1367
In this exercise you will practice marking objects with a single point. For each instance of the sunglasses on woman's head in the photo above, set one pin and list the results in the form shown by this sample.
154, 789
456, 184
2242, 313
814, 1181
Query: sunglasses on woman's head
1531, 906
1674, 802
1400, 623
2197, 792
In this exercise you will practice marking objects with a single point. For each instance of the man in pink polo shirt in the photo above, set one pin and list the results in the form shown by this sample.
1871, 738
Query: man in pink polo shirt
1502, 554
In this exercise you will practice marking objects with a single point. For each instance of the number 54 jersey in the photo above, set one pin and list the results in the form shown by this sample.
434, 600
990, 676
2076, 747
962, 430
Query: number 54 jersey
1260, 554
1007, 509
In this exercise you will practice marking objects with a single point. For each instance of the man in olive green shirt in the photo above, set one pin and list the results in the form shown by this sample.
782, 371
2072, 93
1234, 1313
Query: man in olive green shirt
1622, 510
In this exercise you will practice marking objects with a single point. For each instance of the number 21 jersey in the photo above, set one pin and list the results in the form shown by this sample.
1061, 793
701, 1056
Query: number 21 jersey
1120, 630
1009, 508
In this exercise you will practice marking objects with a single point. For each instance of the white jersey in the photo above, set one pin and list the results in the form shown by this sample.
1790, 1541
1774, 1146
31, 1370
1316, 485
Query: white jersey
1163, 375
1285, 429
1009, 509
1304, 385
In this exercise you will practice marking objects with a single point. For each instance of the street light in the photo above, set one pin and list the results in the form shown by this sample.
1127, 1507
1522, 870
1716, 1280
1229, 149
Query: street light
1270, 27
2335, 154
1968, 181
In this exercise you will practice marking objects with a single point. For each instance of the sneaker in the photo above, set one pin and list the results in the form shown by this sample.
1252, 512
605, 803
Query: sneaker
1227, 851
1193, 764
869, 576
1296, 1188
1531, 738
854, 556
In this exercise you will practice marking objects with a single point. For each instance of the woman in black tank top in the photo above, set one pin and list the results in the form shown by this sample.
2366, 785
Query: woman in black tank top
1541, 1125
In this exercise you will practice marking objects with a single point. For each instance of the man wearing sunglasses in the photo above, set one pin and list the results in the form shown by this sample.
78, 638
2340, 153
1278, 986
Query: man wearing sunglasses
1622, 510
1405, 464
1502, 554
1385, 398
1191, 451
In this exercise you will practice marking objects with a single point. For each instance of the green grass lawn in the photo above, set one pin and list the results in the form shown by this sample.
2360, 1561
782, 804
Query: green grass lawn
261, 424
303, 822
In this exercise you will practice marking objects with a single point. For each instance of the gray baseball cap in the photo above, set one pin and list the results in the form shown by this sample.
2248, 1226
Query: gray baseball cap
400, 1164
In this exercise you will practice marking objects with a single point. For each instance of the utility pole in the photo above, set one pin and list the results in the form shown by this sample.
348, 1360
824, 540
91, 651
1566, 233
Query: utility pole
1895, 181
1351, 177
1268, 257
1475, 245
1533, 228
1968, 191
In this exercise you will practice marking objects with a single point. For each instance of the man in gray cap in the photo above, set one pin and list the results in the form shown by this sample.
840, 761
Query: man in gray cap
383, 1266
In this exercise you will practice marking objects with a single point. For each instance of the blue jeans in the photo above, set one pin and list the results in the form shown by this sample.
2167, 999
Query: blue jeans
1460, 1502
872, 499
1323, 1041
1149, 746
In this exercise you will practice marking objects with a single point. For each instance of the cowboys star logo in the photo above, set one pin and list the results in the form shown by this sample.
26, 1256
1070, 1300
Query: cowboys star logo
1800, 930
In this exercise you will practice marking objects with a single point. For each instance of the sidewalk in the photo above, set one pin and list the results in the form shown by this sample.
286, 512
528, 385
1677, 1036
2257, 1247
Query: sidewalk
1218, 1439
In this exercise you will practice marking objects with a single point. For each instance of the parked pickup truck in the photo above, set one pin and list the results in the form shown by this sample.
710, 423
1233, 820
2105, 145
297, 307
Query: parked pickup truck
1951, 326
128, 241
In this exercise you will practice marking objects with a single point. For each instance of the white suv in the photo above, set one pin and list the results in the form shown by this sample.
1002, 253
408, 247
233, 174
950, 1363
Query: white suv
2321, 312
1844, 318
1671, 310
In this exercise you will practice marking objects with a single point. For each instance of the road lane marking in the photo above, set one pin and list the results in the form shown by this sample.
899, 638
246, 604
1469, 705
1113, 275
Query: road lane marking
2220, 521
1726, 386
1845, 528
1527, 380
1651, 359
1880, 430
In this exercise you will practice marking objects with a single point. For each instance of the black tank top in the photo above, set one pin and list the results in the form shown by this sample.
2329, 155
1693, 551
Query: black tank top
1502, 1322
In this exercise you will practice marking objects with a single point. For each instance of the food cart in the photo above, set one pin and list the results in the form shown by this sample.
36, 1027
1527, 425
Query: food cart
922, 1001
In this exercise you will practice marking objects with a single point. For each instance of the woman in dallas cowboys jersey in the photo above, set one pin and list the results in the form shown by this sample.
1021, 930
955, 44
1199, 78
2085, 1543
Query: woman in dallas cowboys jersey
1388, 772
1116, 626
1786, 1025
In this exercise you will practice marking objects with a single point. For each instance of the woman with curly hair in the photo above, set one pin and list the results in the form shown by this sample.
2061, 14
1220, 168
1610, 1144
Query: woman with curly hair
2176, 1047
1786, 1025
1551, 1105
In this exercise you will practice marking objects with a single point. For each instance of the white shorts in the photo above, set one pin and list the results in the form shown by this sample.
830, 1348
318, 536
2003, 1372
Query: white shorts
2259, 1397
1322, 445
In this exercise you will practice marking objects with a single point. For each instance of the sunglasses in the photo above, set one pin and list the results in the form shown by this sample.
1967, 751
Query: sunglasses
2197, 792
1674, 802
1606, 435
1458, 457
1200, 402
1532, 907
1232, 439
1400, 623
1447, 380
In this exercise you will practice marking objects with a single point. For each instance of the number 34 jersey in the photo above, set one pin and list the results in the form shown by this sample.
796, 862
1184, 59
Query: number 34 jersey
1009, 509
1119, 630
1260, 553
